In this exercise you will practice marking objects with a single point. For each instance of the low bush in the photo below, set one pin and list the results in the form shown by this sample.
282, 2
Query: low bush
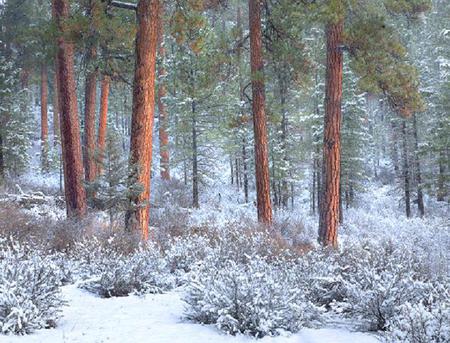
30, 296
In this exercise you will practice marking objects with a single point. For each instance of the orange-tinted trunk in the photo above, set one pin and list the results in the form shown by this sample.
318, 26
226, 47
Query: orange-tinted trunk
143, 111
70, 131
56, 111
89, 120
163, 116
329, 211
259, 116
103, 121
44, 118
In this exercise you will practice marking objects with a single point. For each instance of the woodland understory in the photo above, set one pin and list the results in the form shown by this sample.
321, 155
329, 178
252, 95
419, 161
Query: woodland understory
268, 169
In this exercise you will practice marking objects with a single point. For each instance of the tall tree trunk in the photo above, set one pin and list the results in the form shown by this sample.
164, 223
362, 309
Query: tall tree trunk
284, 125
89, 117
244, 165
70, 131
137, 217
56, 111
420, 204
331, 165
44, 119
2, 161
195, 199
259, 116
103, 122
441, 187
162, 92
406, 179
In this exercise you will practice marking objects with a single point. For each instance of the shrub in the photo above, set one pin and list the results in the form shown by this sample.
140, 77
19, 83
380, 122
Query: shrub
109, 272
256, 298
424, 322
30, 295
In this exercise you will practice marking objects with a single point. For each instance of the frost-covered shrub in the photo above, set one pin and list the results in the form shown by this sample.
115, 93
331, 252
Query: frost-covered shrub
109, 272
424, 322
30, 296
185, 252
256, 298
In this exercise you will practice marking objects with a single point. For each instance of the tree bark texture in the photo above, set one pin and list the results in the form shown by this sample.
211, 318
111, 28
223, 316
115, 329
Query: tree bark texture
56, 111
406, 177
329, 210
195, 193
44, 119
89, 118
103, 122
137, 216
70, 131
259, 116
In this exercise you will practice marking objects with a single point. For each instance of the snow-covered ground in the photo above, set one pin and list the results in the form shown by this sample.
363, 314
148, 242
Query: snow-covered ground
156, 318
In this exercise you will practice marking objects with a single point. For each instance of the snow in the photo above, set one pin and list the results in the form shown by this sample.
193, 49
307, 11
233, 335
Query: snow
154, 318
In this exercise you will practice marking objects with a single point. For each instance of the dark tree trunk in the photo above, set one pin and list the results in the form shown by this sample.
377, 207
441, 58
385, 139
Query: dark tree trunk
195, 200
44, 119
231, 171
406, 177
2, 161
331, 165
420, 204
56, 111
163, 115
103, 122
70, 130
259, 116
441, 189
137, 217
244, 165
89, 122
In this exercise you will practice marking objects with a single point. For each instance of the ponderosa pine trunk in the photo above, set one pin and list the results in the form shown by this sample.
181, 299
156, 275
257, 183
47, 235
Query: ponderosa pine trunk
90, 95
195, 193
103, 122
259, 116
164, 153
70, 131
137, 217
44, 119
331, 164
420, 203
406, 177
56, 111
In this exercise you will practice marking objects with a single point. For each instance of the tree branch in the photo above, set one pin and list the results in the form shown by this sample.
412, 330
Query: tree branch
124, 5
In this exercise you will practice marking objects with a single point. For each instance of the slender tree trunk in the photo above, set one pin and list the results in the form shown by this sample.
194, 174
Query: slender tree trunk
259, 116
44, 119
195, 200
284, 125
237, 170
137, 218
89, 118
56, 111
420, 204
70, 130
163, 115
406, 179
231, 171
329, 210
244, 165
2, 161
103, 122
313, 195
441, 189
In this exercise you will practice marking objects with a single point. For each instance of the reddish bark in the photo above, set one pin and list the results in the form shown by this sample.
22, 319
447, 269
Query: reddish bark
89, 119
70, 131
103, 121
44, 118
259, 116
56, 111
329, 209
162, 92
142, 117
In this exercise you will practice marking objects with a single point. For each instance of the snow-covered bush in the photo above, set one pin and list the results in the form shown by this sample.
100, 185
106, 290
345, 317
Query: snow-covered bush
30, 296
109, 272
256, 298
424, 322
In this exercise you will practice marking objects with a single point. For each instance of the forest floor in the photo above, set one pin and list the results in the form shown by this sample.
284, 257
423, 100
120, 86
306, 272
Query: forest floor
154, 318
